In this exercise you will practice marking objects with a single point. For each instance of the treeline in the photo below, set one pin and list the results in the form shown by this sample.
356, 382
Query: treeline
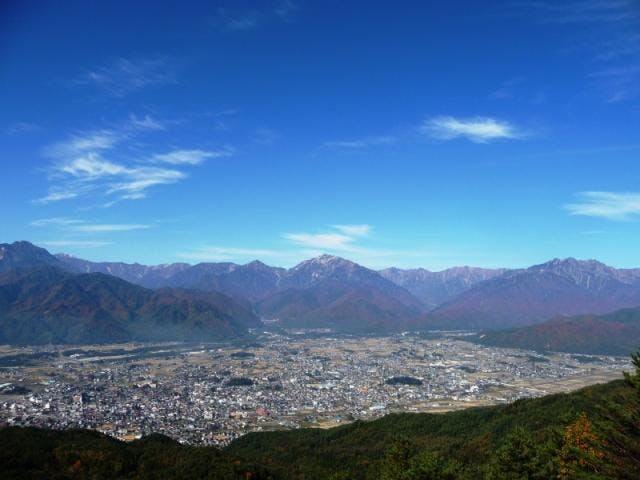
31, 453
593, 433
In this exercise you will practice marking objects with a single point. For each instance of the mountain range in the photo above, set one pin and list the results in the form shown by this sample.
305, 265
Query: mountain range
616, 333
323, 292
538, 293
435, 288
42, 302
329, 292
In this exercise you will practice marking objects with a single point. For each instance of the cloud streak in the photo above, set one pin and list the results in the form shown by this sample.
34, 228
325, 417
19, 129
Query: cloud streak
225, 254
77, 233
55, 221
619, 83
338, 239
607, 30
475, 129
361, 143
21, 127
109, 227
360, 230
586, 11
81, 226
328, 241
239, 19
91, 173
608, 205
122, 76
93, 163
190, 157
74, 243
56, 195
341, 239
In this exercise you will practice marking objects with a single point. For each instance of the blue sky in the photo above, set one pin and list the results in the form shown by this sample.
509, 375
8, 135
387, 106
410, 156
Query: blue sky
403, 133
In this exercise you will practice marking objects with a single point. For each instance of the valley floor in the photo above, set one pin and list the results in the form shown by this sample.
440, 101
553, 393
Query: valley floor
210, 394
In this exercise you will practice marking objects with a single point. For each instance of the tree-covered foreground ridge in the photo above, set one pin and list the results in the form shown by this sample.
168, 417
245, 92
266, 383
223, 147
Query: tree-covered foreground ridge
593, 433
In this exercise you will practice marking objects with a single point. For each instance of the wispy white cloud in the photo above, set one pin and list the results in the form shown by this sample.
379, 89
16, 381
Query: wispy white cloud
283, 9
71, 225
244, 19
506, 90
239, 21
122, 76
342, 237
90, 173
74, 243
608, 34
224, 254
475, 129
104, 139
339, 239
609, 205
190, 157
108, 227
21, 127
138, 180
56, 195
77, 233
84, 164
327, 241
79, 143
585, 11
91, 166
266, 136
359, 230
362, 142
56, 221
147, 122
619, 83
623, 45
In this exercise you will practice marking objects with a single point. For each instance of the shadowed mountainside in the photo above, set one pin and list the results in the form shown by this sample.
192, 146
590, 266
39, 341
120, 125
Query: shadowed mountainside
48, 305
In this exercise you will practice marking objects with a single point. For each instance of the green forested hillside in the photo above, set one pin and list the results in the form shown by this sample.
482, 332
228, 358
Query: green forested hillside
593, 433
31, 453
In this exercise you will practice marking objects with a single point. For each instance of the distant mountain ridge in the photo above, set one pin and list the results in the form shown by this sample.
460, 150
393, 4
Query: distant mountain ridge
332, 292
326, 291
47, 305
538, 293
154, 276
435, 288
616, 333
253, 281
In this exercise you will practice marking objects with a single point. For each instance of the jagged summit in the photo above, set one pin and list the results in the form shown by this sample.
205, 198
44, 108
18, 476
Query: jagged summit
571, 262
325, 260
257, 264
435, 288
23, 254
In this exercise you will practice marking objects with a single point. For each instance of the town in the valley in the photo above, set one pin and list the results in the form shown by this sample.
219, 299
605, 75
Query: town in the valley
209, 394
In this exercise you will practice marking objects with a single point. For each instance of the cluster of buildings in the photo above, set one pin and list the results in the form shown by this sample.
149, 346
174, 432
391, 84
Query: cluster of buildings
212, 394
